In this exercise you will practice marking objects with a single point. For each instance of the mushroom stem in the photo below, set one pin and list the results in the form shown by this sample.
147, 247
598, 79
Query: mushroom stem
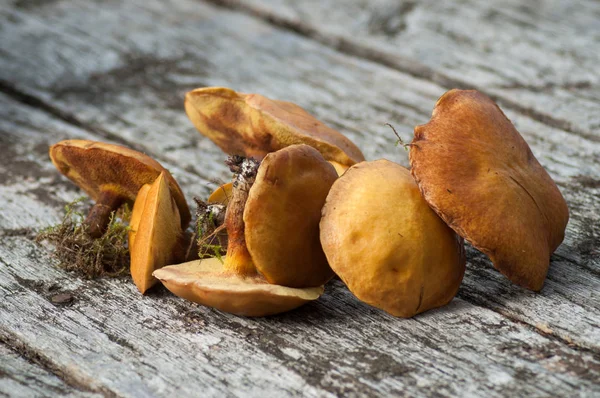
238, 258
99, 216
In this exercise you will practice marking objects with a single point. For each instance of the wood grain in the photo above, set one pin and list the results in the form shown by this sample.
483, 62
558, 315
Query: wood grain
122, 79
539, 58
20, 378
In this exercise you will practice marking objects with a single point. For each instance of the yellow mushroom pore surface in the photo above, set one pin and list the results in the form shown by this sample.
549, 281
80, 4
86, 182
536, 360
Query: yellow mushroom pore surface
282, 217
207, 283
157, 234
386, 244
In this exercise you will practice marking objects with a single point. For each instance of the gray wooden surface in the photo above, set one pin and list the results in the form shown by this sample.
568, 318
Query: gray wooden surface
117, 71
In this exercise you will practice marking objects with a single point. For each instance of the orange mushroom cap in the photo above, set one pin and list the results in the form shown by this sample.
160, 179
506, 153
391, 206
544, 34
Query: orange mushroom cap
253, 125
386, 244
282, 217
112, 171
480, 176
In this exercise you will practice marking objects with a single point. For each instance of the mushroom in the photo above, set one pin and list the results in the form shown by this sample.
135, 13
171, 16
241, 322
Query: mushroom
386, 244
111, 175
480, 176
156, 238
222, 194
274, 259
253, 125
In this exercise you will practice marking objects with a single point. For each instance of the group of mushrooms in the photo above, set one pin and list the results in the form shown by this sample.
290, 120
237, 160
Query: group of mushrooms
304, 205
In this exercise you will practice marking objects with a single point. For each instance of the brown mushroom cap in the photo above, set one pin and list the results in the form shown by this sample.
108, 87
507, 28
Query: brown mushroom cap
107, 170
253, 125
282, 217
478, 173
156, 240
207, 283
388, 246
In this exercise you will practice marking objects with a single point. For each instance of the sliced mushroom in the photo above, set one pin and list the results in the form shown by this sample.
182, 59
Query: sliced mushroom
156, 238
386, 244
253, 125
480, 176
111, 175
274, 259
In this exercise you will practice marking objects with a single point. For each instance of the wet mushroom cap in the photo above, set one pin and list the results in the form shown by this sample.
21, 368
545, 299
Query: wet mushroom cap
156, 240
100, 168
480, 176
253, 125
282, 217
205, 282
386, 244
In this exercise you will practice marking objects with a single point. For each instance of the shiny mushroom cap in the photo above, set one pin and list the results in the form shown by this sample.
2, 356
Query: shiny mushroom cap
480, 176
282, 217
253, 125
206, 282
388, 246
111, 175
155, 239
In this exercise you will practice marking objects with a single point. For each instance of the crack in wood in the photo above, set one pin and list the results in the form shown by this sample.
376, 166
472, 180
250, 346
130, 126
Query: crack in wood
396, 62
539, 329
37, 103
38, 358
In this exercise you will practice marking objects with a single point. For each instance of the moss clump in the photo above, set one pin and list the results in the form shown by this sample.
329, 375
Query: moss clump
210, 230
77, 251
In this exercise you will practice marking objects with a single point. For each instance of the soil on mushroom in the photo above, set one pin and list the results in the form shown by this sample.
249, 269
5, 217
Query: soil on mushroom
77, 251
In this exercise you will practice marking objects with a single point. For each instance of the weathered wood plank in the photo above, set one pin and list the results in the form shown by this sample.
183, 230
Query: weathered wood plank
541, 58
114, 341
129, 85
20, 378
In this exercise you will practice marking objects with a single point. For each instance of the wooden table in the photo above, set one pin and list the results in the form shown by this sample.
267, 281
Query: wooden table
117, 70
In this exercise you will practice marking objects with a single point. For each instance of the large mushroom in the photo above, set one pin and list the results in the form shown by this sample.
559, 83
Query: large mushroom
253, 125
386, 244
155, 238
274, 259
480, 176
111, 175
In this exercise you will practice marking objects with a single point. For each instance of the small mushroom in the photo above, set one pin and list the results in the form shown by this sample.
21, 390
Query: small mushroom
253, 125
480, 176
274, 259
222, 194
111, 175
156, 238
386, 244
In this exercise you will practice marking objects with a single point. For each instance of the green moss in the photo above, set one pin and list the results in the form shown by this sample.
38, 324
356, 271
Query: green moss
210, 231
77, 251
